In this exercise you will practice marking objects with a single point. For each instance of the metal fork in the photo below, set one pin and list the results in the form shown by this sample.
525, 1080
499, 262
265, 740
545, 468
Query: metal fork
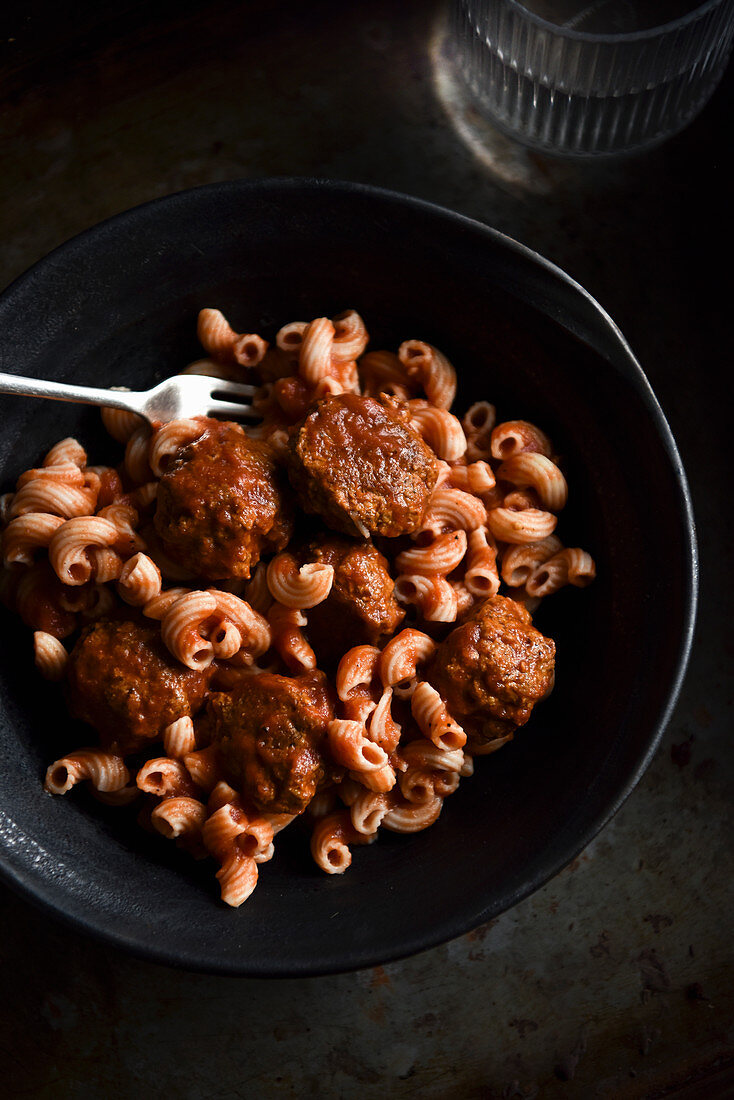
181, 396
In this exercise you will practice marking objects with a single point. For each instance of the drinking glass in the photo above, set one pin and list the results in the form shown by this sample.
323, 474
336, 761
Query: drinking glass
579, 78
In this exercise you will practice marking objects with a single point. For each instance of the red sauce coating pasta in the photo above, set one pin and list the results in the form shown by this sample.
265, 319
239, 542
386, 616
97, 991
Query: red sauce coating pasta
181, 601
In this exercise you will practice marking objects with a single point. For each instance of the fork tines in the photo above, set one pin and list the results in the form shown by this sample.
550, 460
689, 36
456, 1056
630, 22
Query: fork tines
236, 391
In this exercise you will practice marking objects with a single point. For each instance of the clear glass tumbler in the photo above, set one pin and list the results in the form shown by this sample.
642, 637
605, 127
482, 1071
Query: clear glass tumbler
580, 78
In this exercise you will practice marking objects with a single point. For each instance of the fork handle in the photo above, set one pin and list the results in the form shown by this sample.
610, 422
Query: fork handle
61, 391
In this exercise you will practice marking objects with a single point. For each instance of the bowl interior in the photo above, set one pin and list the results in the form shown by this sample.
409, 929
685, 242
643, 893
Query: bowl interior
118, 306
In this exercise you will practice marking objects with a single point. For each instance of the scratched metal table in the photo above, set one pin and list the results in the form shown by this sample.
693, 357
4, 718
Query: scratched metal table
616, 979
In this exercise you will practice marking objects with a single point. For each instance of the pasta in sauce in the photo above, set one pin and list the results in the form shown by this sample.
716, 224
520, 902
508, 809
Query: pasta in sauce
320, 619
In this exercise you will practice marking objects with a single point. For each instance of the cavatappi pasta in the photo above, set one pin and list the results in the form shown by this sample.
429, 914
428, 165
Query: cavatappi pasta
80, 546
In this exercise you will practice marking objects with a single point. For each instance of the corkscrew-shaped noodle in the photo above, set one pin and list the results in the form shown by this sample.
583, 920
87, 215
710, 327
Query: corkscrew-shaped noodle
381, 726
238, 842
140, 580
204, 767
330, 842
537, 472
67, 451
70, 546
452, 509
198, 626
442, 556
382, 372
170, 439
351, 747
103, 770
62, 491
441, 430
430, 367
314, 361
179, 738
25, 535
356, 670
520, 562
120, 423
50, 655
570, 566
401, 659
299, 588
411, 817
166, 778
433, 596
289, 338
513, 437
350, 336
288, 639
476, 477
527, 525
434, 720
481, 577
215, 334
178, 817
367, 811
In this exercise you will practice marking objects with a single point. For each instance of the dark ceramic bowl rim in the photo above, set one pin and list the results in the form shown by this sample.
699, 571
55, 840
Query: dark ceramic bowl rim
46, 896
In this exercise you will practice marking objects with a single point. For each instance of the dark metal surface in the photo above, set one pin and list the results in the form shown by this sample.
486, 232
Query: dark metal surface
616, 978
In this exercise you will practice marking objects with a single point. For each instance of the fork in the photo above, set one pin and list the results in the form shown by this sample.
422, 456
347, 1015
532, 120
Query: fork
183, 395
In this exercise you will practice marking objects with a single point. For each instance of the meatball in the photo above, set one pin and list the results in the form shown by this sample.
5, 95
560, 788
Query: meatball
222, 503
272, 737
122, 680
361, 467
492, 669
361, 602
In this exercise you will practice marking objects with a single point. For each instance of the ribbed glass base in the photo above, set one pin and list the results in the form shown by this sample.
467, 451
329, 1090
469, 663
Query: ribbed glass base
551, 95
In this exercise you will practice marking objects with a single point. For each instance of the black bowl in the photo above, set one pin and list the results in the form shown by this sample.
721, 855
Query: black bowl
117, 306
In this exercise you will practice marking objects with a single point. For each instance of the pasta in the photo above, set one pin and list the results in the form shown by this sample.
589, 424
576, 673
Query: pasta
401, 658
429, 711
83, 550
440, 428
298, 588
166, 778
103, 770
139, 581
179, 738
435, 597
50, 655
27, 534
352, 748
430, 367
442, 556
288, 639
330, 842
481, 577
178, 817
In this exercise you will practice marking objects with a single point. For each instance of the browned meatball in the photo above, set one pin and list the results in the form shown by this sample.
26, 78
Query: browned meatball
122, 680
361, 607
493, 668
223, 503
271, 732
361, 467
